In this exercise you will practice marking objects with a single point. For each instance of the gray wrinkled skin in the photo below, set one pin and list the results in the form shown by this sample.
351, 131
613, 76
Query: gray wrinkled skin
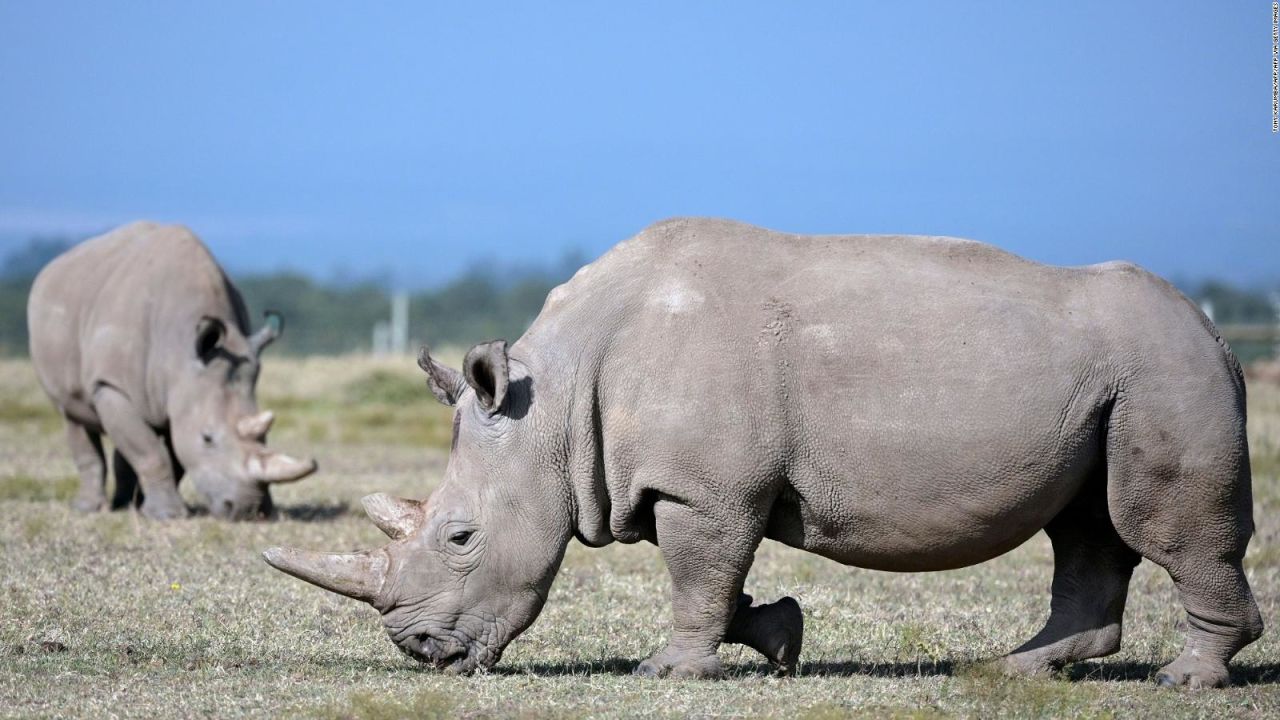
139, 334
889, 402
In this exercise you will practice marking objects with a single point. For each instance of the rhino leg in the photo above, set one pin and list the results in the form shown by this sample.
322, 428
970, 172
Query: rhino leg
708, 560
1091, 571
775, 630
126, 493
1222, 618
144, 450
1181, 494
86, 451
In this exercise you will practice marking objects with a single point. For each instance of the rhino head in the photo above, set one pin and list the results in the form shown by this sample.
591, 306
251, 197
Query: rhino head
468, 569
218, 434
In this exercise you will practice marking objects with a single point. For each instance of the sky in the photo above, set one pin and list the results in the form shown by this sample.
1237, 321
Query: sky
409, 141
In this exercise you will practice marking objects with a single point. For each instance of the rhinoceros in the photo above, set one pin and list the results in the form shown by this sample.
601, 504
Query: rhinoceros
900, 403
140, 335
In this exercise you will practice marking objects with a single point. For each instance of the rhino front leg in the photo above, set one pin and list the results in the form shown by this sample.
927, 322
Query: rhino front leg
144, 450
708, 557
775, 630
86, 451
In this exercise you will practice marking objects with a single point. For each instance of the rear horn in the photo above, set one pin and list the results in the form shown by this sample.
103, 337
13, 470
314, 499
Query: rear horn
255, 427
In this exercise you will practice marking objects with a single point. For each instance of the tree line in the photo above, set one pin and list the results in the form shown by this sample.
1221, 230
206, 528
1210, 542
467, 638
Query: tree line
482, 303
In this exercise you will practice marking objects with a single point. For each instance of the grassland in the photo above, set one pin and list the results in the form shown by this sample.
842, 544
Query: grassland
113, 616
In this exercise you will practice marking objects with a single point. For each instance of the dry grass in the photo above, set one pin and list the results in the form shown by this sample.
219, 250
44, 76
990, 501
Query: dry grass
110, 615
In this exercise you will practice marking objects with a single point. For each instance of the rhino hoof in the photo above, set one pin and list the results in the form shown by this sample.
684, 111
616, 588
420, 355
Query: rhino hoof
1192, 674
787, 654
167, 511
89, 504
675, 664
648, 669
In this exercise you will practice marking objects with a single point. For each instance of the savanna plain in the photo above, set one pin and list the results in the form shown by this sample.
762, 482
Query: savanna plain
110, 615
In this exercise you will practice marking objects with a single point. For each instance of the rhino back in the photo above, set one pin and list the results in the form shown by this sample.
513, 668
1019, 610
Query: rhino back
843, 383
121, 309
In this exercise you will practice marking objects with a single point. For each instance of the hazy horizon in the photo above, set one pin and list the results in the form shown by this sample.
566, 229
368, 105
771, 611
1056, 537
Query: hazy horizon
407, 143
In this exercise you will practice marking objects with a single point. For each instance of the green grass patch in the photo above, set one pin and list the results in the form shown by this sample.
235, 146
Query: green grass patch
33, 489
377, 407
19, 411
385, 386
1265, 465
836, 711
366, 705
40, 416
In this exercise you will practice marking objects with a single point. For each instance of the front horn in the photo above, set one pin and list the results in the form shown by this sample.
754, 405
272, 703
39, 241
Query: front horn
356, 575
274, 467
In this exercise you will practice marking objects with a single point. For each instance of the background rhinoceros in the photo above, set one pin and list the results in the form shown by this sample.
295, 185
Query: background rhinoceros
138, 333
897, 403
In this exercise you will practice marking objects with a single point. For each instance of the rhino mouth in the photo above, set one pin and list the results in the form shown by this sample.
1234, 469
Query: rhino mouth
447, 654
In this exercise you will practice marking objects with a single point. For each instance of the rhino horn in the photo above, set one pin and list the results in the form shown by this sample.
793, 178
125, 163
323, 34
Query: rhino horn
356, 575
255, 427
397, 517
274, 467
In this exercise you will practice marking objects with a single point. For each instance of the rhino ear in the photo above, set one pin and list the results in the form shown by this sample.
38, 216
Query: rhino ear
487, 373
209, 334
444, 382
267, 334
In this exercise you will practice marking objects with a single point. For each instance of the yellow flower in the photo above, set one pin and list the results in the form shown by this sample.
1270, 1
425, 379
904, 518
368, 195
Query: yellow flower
175, 586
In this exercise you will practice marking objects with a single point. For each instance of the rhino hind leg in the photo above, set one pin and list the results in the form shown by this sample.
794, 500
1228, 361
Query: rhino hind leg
1222, 618
86, 451
775, 630
127, 494
1182, 497
145, 452
1091, 571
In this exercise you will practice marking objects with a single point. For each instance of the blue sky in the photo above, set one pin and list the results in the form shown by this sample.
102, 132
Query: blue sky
411, 140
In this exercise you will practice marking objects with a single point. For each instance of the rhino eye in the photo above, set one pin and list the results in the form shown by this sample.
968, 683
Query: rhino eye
461, 537
207, 438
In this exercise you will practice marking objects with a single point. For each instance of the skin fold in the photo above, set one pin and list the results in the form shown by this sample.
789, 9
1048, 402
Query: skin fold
139, 335
900, 403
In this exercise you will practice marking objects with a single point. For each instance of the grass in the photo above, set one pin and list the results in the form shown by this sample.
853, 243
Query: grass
111, 615
355, 402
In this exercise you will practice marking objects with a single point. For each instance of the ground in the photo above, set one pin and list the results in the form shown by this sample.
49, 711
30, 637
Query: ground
112, 615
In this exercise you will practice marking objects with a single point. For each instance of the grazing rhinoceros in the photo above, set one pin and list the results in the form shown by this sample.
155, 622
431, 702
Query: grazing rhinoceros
139, 334
897, 403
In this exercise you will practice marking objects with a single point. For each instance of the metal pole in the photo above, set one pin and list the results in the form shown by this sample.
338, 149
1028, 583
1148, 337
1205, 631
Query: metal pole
400, 323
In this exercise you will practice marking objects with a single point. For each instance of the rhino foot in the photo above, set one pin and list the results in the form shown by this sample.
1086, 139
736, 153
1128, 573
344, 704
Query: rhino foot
775, 630
785, 636
1194, 673
157, 510
89, 502
681, 664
